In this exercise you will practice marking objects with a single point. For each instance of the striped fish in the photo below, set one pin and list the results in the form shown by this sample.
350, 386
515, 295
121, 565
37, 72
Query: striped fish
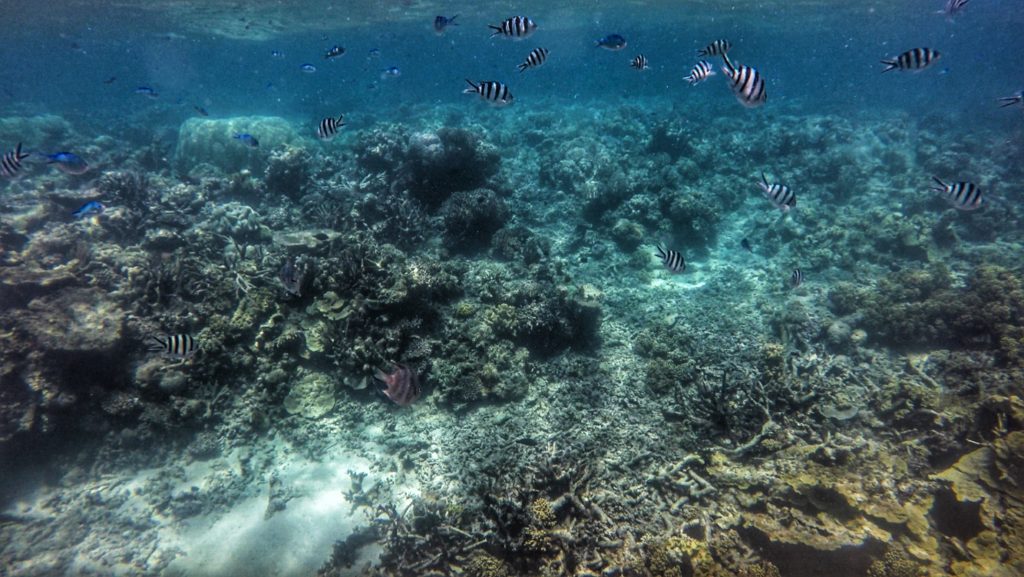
181, 346
717, 48
672, 259
700, 73
781, 196
796, 278
953, 6
640, 62
747, 84
536, 58
10, 163
962, 195
913, 59
329, 127
516, 27
494, 92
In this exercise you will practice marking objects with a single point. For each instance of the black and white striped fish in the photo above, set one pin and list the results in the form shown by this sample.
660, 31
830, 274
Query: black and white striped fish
672, 259
717, 48
494, 92
913, 59
181, 346
961, 195
10, 163
796, 278
700, 73
516, 27
329, 127
747, 84
536, 58
781, 196
953, 7
640, 62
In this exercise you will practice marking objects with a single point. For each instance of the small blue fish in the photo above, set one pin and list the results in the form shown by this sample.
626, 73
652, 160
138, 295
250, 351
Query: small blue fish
393, 72
68, 162
276, 54
200, 110
441, 22
373, 53
308, 68
88, 209
146, 91
611, 42
248, 140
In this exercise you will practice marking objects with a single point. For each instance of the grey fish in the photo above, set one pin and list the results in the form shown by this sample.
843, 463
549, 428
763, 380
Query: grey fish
292, 275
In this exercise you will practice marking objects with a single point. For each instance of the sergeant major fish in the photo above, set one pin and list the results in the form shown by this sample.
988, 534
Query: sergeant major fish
640, 62
516, 27
913, 59
796, 278
494, 92
701, 71
747, 84
180, 346
673, 260
10, 162
719, 47
328, 127
535, 58
781, 196
961, 195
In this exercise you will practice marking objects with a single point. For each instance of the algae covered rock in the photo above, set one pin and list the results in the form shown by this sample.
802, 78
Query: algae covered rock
213, 142
312, 397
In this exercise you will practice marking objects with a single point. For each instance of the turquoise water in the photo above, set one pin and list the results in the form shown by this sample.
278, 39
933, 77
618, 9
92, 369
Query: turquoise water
443, 342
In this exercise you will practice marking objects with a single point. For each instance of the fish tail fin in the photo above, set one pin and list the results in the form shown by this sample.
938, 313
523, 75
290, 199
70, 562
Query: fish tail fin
473, 88
764, 179
941, 185
890, 65
661, 252
19, 154
341, 120
523, 66
1009, 101
728, 63
497, 30
452, 21
161, 343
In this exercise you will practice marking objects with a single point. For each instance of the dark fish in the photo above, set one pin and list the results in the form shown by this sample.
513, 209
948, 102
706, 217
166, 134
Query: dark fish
1011, 100
110, 80
334, 52
181, 346
781, 196
10, 162
719, 47
746, 245
673, 260
88, 209
913, 59
146, 91
403, 386
747, 84
516, 27
308, 68
494, 92
535, 58
796, 278
247, 139
292, 276
200, 111
961, 195
640, 62
68, 162
701, 71
328, 127
441, 22
611, 42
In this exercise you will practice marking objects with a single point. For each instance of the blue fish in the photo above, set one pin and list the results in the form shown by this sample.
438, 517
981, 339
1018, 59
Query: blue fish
68, 162
276, 54
146, 91
248, 139
392, 72
88, 209
373, 53
441, 22
308, 68
612, 42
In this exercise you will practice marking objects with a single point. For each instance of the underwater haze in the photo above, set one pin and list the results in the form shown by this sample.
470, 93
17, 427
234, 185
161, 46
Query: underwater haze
510, 289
